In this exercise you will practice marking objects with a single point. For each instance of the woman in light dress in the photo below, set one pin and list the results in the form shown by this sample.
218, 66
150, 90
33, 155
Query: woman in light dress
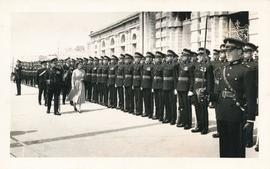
77, 93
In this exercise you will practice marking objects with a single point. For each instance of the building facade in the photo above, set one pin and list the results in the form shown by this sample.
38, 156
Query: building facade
160, 31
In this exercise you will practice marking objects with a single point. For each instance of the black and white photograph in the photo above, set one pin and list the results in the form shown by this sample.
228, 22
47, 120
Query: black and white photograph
182, 84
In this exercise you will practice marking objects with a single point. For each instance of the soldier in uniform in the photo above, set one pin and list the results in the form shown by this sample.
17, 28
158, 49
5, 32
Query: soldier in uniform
137, 78
18, 77
94, 80
111, 82
146, 84
128, 71
88, 84
203, 87
104, 80
248, 50
217, 71
54, 82
157, 85
237, 101
169, 81
120, 81
66, 87
99, 77
184, 89
41, 81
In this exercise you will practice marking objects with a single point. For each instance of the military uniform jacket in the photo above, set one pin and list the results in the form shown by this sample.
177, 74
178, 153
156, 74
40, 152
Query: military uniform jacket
18, 73
94, 74
112, 74
169, 76
203, 76
185, 77
147, 76
99, 73
137, 75
120, 75
239, 103
54, 77
217, 71
157, 82
88, 72
41, 77
104, 76
128, 72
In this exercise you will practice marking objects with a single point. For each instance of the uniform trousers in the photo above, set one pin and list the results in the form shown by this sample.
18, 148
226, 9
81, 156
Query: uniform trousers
138, 100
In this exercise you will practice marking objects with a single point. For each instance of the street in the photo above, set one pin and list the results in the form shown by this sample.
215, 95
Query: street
100, 132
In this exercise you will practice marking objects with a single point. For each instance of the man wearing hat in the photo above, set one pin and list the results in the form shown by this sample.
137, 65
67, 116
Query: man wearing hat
89, 87
217, 70
128, 76
94, 80
157, 84
18, 76
169, 84
184, 89
67, 73
237, 101
41, 81
137, 78
99, 77
249, 49
104, 80
111, 82
147, 77
54, 82
120, 82
203, 87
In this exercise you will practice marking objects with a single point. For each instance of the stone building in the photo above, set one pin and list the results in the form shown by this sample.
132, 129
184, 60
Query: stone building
152, 31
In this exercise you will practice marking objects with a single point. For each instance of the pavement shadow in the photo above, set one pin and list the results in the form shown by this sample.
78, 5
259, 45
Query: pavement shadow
82, 111
83, 135
16, 133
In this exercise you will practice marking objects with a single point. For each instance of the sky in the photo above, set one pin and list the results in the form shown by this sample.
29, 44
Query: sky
34, 34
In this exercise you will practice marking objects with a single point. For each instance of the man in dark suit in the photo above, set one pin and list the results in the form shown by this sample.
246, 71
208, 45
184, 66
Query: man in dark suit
41, 81
18, 76
237, 101
54, 82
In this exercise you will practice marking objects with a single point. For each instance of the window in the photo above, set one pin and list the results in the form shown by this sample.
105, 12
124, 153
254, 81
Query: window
112, 42
103, 44
134, 37
123, 39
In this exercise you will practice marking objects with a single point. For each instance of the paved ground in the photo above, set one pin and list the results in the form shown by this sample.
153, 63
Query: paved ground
100, 132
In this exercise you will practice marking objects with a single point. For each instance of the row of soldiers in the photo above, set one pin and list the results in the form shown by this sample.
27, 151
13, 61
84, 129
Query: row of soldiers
153, 85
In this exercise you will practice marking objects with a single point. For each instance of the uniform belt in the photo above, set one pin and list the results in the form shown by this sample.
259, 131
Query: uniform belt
93, 74
88, 73
128, 76
119, 77
136, 77
158, 78
168, 78
110, 76
183, 78
104, 75
228, 94
199, 80
98, 75
146, 77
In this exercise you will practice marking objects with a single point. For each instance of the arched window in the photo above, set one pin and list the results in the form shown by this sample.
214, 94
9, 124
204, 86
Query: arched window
103, 44
112, 42
123, 39
134, 37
